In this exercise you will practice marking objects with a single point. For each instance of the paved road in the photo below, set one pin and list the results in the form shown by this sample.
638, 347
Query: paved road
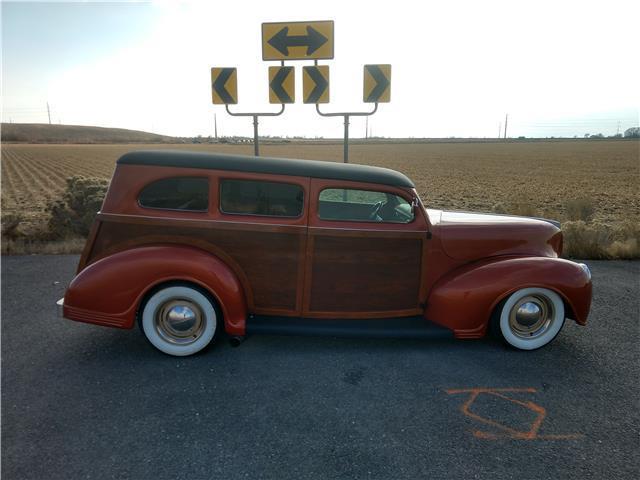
80, 401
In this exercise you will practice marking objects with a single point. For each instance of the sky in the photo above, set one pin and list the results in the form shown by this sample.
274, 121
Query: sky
558, 68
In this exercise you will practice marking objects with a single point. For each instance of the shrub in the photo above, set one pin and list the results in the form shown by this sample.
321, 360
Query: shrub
10, 226
579, 209
73, 215
583, 240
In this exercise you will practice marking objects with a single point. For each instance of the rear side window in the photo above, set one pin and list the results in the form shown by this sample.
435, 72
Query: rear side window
249, 197
179, 193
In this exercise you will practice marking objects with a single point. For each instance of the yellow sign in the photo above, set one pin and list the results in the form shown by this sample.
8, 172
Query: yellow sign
282, 86
297, 40
224, 85
315, 84
377, 83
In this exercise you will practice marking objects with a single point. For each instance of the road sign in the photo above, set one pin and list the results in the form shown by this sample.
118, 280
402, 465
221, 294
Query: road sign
315, 84
297, 40
282, 85
224, 85
377, 83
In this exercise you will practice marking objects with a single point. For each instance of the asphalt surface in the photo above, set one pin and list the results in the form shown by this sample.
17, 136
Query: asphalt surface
81, 401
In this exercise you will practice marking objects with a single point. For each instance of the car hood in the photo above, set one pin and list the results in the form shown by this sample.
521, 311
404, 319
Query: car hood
471, 236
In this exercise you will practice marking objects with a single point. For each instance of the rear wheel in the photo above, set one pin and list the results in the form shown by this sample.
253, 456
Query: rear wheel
179, 320
531, 318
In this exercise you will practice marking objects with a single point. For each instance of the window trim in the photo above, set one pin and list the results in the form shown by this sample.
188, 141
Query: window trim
206, 210
363, 221
290, 217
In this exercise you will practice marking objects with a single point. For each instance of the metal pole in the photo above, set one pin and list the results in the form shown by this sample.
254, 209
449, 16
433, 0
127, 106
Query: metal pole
346, 139
255, 116
256, 149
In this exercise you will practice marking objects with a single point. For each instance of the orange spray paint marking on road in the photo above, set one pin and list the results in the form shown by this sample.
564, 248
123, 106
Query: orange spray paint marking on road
505, 431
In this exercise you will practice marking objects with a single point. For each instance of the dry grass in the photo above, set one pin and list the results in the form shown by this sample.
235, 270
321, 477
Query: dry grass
596, 181
24, 246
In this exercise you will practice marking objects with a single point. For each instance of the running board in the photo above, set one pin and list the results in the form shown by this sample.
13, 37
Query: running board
405, 327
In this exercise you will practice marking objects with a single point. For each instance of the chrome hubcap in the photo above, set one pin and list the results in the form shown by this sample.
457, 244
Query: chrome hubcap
179, 321
531, 316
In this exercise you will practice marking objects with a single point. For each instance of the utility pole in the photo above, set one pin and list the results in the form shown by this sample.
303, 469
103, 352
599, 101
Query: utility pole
215, 125
618, 130
366, 128
49, 113
506, 122
499, 129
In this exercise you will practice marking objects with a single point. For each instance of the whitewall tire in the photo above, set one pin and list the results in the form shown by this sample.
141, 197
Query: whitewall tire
179, 320
531, 318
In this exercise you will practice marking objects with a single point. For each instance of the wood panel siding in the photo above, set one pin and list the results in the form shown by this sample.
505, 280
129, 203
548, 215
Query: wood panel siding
365, 272
267, 258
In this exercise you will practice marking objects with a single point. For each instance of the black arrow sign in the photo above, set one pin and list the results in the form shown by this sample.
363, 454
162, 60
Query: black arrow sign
219, 85
313, 40
321, 84
382, 82
276, 84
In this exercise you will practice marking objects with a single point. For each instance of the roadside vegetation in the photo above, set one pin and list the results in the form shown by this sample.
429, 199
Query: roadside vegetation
69, 222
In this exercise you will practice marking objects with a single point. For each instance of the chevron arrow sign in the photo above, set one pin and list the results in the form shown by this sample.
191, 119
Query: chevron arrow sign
224, 85
315, 84
377, 83
282, 85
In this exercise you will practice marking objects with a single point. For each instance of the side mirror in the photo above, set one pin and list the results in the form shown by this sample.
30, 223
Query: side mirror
415, 203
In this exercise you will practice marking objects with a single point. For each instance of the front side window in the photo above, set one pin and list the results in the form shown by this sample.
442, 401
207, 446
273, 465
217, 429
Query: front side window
178, 193
250, 197
363, 206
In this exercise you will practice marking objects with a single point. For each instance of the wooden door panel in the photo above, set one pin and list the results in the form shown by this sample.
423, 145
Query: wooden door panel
364, 274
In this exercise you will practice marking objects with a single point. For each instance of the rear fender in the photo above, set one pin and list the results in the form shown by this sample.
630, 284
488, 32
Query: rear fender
464, 299
109, 291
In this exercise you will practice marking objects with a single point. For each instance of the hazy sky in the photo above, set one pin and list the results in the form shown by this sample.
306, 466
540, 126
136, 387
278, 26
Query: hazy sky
559, 68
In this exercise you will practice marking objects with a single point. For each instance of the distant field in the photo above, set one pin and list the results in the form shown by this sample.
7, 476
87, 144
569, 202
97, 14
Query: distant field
474, 176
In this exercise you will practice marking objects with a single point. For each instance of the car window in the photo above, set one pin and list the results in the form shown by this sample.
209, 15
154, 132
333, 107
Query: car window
250, 197
178, 193
363, 206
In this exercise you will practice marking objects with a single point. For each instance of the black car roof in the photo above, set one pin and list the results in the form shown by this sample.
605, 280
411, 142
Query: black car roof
278, 166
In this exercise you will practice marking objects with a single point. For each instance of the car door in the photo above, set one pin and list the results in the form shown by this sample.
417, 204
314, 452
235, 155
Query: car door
365, 252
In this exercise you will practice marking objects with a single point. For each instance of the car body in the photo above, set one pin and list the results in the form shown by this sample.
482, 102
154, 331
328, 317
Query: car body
188, 244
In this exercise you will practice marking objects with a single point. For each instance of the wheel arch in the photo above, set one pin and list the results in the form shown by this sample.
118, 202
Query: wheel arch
111, 290
465, 298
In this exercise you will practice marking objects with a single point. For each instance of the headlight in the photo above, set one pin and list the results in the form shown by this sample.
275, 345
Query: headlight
586, 270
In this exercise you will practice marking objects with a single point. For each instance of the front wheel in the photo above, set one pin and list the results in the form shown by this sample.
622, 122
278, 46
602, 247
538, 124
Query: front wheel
179, 320
531, 318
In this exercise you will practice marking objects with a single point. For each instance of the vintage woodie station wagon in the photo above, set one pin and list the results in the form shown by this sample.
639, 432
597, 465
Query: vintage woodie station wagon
190, 244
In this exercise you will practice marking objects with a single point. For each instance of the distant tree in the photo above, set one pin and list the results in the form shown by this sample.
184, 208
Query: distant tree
587, 135
633, 132
597, 135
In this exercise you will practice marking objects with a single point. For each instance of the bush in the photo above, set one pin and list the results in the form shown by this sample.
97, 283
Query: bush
73, 215
10, 224
579, 209
583, 240
601, 241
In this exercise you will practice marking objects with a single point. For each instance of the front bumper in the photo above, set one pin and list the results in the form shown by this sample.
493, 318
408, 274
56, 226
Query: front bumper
60, 307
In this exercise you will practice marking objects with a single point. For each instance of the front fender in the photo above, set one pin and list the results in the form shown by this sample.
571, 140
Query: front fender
464, 299
109, 291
